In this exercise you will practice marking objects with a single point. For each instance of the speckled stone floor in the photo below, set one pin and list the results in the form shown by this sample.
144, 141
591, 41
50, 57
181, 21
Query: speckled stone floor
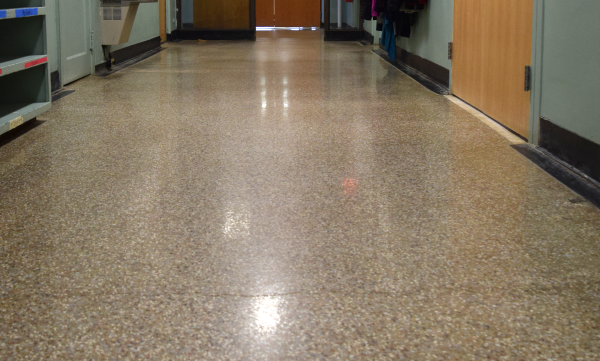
285, 199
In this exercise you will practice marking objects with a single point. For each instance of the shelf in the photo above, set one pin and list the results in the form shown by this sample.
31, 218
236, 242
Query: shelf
13, 64
13, 115
21, 13
24, 70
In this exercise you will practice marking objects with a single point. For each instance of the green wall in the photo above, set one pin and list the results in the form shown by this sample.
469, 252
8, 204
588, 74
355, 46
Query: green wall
145, 28
431, 33
571, 66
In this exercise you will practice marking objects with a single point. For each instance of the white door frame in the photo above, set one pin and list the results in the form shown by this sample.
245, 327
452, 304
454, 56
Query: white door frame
537, 50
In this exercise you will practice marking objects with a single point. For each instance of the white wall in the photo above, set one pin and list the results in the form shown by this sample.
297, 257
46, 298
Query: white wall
350, 12
370, 26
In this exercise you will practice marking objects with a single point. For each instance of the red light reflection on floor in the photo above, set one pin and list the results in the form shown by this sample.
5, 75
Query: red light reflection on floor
350, 186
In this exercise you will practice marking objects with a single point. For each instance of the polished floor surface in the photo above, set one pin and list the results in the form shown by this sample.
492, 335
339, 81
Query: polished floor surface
285, 199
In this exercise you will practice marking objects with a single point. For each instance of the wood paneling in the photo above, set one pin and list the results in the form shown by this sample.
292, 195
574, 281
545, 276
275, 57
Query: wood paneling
298, 13
265, 13
220, 14
162, 19
492, 46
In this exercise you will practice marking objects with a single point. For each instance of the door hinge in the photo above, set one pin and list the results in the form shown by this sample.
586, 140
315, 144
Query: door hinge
92, 40
527, 78
450, 50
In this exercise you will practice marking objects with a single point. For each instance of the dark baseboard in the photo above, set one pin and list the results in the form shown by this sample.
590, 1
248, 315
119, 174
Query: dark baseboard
432, 70
577, 182
345, 26
55, 81
416, 75
368, 37
214, 34
61, 94
122, 55
571, 148
172, 39
344, 35
101, 68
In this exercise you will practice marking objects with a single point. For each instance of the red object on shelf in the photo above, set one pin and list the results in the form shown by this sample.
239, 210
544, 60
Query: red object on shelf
0, 71
36, 62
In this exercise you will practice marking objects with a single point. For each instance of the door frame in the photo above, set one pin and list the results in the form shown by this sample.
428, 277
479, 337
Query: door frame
162, 20
535, 104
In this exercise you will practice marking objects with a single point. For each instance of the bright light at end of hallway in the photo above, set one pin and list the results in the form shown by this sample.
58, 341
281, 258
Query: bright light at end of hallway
267, 314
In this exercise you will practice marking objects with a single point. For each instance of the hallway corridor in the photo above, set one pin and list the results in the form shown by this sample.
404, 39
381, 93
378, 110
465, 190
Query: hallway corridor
287, 198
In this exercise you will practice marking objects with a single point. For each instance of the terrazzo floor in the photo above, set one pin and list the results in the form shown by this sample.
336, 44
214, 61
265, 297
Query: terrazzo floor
285, 199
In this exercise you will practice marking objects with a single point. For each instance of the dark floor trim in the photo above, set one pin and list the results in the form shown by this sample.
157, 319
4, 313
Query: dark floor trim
370, 39
171, 38
569, 147
430, 69
55, 81
416, 75
344, 35
103, 71
578, 184
61, 94
101, 68
215, 34
130, 52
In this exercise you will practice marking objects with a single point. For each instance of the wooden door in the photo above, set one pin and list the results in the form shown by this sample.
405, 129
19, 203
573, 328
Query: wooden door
492, 46
298, 13
162, 20
265, 12
220, 14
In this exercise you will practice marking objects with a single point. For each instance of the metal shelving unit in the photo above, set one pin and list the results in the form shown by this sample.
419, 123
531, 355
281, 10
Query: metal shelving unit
24, 74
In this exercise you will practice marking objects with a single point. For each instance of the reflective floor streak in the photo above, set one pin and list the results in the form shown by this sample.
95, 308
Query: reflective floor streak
285, 199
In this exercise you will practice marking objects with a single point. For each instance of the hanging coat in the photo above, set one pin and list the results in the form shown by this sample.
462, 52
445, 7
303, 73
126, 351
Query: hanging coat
389, 39
380, 5
374, 13
403, 22
415, 4
393, 5
366, 9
